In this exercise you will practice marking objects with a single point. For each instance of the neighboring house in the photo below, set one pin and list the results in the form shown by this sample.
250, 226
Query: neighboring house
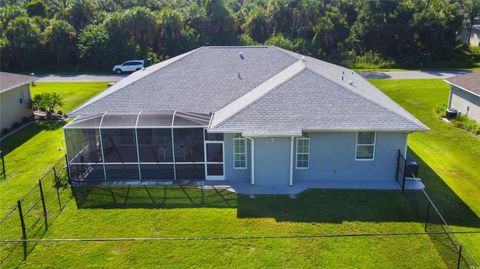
14, 99
260, 116
465, 94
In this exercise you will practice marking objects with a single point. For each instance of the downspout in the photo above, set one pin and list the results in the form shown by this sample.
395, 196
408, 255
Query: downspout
252, 176
291, 160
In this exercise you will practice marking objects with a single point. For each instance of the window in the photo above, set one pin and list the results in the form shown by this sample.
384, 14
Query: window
21, 97
365, 146
303, 152
239, 152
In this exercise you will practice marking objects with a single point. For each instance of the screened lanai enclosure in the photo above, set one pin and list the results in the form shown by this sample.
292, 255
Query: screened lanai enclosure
145, 146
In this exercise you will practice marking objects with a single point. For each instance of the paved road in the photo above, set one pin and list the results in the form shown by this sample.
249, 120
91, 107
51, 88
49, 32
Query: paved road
80, 78
413, 74
369, 75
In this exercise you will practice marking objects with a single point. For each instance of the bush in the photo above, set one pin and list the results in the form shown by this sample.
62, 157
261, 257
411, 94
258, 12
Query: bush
47, 101
440, 109
467, 124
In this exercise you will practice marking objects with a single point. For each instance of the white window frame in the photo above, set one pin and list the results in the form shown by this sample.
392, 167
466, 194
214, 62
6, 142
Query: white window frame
297, 153
236, 153
374, 143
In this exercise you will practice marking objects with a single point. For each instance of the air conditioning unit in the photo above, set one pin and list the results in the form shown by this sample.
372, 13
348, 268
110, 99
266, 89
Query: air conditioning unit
451, 113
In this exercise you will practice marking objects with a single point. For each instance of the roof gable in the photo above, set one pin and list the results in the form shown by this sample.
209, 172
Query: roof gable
309, 102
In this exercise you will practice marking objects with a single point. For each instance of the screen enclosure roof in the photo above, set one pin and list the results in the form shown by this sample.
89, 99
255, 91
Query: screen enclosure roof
144, 119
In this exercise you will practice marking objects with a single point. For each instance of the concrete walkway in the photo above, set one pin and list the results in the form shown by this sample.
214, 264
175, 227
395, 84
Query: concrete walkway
414, 74
303, 185
80, 77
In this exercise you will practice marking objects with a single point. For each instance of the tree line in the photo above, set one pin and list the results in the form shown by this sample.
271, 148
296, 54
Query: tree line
95, 34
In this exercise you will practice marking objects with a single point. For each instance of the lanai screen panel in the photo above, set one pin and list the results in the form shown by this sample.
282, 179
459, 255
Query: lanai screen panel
164, 145
84, 154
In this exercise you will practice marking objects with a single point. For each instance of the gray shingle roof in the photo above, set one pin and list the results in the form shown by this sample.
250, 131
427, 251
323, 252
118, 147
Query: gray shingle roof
10, 80
270, 92
469, 82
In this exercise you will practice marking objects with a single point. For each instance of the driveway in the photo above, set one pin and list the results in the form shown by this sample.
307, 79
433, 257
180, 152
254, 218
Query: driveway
79, 77
415, 74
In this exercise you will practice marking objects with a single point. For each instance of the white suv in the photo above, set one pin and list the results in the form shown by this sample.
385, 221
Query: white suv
128, 66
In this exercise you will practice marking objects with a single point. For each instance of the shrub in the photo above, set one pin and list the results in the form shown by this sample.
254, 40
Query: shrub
47, 101
467, 124
440, 109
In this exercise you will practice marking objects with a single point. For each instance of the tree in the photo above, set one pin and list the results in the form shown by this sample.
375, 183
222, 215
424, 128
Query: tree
80, 13
9, 13
280, 41
37, 8
59, 40
222, 29
23, 41
170, 37
93, 46
256, 24
47, 102
139, 23
472, 9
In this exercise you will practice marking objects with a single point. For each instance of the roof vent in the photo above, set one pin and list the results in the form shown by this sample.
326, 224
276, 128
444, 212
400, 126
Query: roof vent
350, 82
242, 56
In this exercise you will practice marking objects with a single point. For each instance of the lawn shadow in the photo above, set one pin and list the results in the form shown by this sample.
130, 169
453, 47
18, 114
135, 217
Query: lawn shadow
152, 197
23, 135
450, 205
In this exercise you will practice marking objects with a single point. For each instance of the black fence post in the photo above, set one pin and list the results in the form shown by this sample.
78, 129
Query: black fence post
404, 173
43, 204
459, 257
68, 170
398, 164
57, 186
24, 231
3, 165
427, 215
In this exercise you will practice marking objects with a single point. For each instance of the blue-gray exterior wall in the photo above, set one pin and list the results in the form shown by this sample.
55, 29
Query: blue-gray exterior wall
230, 172
332, 157
467, 103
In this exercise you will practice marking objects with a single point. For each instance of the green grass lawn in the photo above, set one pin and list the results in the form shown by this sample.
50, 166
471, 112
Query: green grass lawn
74, 93
33, 150
447, 156
453, 155
132, 213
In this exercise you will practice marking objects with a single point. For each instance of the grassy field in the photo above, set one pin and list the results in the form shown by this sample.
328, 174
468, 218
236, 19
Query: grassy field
33, 150
74, 93
450, 157
130, 213
142, 212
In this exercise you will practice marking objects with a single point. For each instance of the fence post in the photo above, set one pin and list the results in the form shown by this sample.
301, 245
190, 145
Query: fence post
43, 204
3, 165
404, 172
68, 170
57, 186
24, 231
426, 217
459, 257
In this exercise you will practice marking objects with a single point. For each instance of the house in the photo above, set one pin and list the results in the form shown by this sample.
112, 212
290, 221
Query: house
14, 99
465, 94
257, 117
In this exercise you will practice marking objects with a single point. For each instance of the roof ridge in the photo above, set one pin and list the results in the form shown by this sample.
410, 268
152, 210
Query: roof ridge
412, 119
119, 85
257, 93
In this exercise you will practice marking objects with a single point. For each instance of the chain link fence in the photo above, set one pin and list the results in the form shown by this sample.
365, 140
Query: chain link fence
35, 211
446, 243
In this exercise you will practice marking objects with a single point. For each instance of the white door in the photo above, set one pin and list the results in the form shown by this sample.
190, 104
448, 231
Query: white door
214, 156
